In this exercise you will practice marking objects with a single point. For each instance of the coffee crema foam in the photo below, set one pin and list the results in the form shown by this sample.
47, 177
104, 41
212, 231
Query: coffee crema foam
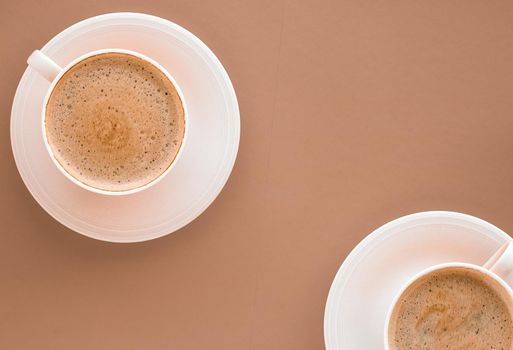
453, 308
115, 122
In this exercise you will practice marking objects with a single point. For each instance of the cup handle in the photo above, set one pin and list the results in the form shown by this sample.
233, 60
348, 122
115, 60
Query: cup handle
44, 65
501, 262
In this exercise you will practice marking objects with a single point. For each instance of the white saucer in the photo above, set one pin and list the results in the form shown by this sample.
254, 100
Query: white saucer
208, 156
379, 266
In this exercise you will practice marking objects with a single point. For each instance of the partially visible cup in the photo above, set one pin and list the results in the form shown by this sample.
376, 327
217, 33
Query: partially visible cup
123, 144
455, 306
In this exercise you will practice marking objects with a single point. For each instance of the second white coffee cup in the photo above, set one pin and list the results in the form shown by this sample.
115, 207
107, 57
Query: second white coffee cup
498, 267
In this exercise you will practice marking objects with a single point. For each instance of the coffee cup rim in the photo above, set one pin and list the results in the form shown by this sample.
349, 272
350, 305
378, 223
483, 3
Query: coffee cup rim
431, 269
51, 88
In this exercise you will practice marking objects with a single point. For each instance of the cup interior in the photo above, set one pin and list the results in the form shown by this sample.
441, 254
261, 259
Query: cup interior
78, 181
494, 282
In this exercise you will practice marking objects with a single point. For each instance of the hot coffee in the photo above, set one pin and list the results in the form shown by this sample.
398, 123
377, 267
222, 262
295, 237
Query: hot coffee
452, 308
115, 122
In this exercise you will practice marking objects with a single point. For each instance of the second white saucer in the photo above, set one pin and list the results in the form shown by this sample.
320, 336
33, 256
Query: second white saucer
384, 261
208, 157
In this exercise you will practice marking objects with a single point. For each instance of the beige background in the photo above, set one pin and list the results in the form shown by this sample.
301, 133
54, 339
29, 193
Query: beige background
353, 113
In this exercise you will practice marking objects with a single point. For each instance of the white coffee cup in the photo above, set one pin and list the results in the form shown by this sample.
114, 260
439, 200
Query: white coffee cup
52, 72
498, 267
